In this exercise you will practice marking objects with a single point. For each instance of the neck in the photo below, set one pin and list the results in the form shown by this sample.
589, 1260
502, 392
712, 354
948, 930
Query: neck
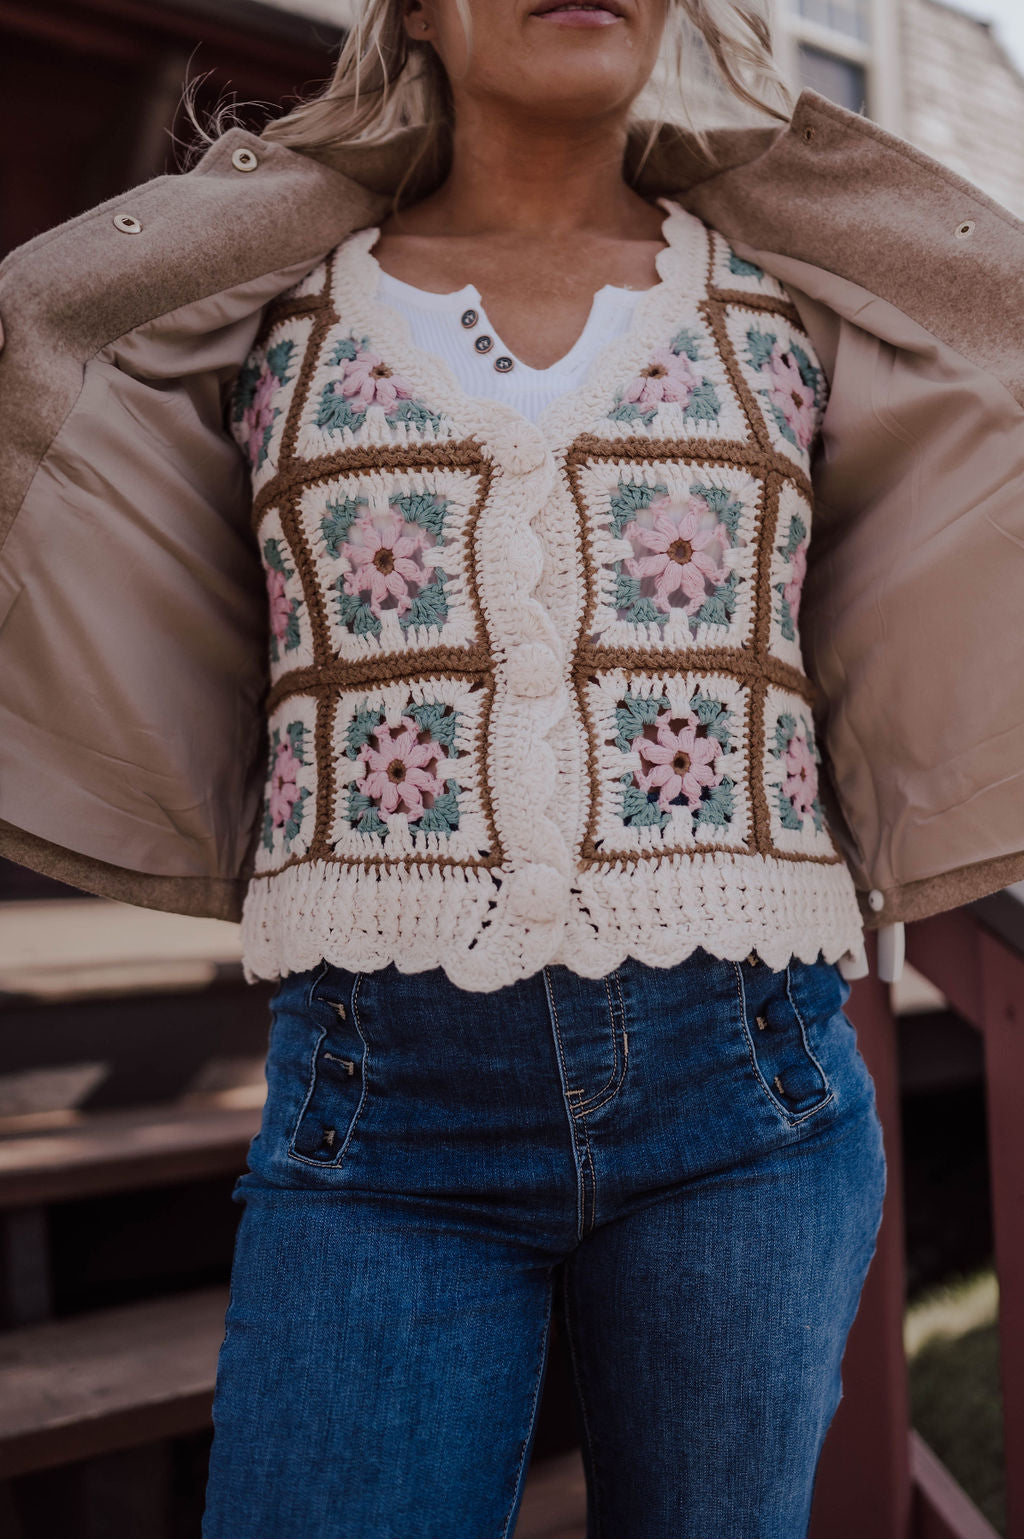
520, 174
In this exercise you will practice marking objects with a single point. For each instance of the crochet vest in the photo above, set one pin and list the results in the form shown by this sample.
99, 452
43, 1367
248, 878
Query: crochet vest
536, 690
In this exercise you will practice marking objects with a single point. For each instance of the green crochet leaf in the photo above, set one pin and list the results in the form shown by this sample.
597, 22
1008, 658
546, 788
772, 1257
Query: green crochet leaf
719, 607
294, 824
785, 727
743, 269
273, 557
786, 626
797, 534
297, 739
338, 519
371, 823
345, 351
726, 507
782, 422
360, 729
245, 388
717, 805
437, 718
423, 508
788, 815
336, 412
687, 342
429, 607
627, 589
279, 359
628, 499
810, 375
414, 412
646, 612
629, 411
704, 404
292, 635
760, 346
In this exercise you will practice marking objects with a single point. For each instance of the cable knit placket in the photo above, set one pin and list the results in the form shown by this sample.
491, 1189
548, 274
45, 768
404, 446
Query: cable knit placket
536, 688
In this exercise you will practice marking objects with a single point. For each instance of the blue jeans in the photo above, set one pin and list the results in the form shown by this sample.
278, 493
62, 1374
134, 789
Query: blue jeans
686, 1162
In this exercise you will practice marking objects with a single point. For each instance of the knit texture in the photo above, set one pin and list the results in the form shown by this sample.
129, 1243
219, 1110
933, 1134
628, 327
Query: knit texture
537, 692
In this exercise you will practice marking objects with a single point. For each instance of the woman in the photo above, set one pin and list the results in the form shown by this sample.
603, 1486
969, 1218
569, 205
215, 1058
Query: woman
538, 836
663, 1120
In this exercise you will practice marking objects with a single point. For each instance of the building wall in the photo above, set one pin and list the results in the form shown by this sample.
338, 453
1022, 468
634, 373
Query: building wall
963, 98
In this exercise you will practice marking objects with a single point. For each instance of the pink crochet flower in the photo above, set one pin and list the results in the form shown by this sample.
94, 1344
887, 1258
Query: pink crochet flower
396, 770
668, 377
788, 392
259, 414
801, 784
284, 788
280, 603
794, 587
684, 553
679, 762
383, 555
370, 380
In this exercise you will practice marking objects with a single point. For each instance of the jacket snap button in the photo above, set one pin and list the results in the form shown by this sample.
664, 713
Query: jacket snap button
244, 160
876, 900
469, 317
127, 224
538, 893
484, 343
964, 228
533, 669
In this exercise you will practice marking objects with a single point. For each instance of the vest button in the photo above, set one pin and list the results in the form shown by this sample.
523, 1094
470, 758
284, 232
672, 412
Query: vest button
532, 669
519, 449
538, 893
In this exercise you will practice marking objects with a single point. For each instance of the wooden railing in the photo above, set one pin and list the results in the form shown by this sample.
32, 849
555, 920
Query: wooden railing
877, 1477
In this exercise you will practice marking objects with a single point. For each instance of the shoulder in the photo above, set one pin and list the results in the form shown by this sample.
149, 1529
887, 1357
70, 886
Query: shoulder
247, 207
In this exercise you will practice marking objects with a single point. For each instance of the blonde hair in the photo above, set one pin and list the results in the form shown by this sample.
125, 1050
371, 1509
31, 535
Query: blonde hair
385, 82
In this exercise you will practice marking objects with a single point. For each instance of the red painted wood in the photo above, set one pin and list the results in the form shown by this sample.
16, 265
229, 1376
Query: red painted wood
945, 949
942, 1509
1002, 974
863, 1481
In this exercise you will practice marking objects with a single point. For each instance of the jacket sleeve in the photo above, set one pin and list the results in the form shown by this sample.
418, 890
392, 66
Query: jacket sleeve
132, 604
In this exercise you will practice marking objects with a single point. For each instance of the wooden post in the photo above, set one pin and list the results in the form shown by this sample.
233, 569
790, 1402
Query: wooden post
863, 1481
1002, 988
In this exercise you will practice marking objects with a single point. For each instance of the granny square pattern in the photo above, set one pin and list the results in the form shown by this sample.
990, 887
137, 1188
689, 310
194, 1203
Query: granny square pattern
535, 689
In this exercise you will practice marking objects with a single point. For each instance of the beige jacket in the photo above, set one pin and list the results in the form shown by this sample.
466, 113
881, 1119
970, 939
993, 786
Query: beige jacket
132, 605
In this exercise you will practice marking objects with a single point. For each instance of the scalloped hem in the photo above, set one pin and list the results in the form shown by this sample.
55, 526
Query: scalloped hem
459, 919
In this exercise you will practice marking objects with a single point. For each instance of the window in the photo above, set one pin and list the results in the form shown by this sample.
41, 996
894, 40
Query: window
850, 17
841, 80
847, 50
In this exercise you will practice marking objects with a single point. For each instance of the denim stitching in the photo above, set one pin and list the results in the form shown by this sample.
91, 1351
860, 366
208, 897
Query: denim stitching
566, 1093
594, 1516
294, 1153
537, 1382
611, 1088
584, 1228
803, 1031
791, 1119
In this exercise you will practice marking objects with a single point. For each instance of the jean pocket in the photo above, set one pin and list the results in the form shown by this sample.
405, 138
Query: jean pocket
775, 1023
337, 1070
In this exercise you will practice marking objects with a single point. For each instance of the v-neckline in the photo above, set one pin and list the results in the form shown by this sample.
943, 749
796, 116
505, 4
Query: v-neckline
469, 296
681, 265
